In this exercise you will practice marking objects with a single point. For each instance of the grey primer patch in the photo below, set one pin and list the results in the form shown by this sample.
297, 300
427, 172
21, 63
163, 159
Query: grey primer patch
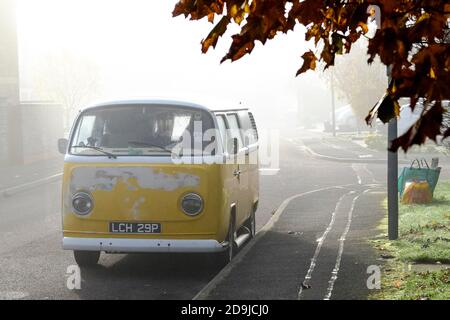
106, 178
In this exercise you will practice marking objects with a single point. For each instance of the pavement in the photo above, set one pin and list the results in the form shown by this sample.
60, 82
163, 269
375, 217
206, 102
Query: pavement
342, 149
345, 149
314, 219
23, 177
317, 246
339, 147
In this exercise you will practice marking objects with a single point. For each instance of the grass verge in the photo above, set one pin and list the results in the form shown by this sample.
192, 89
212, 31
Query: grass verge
424, 238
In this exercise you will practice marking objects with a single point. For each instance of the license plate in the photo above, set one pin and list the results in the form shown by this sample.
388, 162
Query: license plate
134, 227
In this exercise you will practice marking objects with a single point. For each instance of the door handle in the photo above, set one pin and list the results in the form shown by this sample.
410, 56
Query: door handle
237, 173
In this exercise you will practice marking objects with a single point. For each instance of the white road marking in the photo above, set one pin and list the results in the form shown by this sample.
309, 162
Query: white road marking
362, 170
334, 273
204, 293
29, 185
356, 168
321, 240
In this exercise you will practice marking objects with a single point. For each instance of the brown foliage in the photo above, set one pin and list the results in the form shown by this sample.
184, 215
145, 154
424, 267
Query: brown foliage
413, 38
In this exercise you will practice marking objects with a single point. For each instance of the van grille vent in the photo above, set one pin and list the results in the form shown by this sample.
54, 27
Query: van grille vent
252, 119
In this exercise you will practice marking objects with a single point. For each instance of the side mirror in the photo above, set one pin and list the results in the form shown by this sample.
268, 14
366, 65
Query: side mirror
62, 145
232, 146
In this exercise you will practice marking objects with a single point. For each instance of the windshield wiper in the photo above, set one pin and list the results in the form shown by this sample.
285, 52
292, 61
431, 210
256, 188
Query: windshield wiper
110, 155
151, 145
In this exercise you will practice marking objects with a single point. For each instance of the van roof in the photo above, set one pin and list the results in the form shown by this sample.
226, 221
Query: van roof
168, 102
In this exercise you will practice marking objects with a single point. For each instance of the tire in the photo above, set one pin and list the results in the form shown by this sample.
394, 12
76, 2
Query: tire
226, 256
251, 224
86, 258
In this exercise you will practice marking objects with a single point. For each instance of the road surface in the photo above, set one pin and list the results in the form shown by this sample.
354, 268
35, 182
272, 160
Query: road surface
324, 194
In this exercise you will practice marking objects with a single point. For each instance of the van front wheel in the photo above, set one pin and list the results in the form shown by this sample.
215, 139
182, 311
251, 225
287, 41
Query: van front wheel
86, 258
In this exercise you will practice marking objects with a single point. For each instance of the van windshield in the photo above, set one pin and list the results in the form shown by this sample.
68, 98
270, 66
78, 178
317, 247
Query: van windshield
140, 130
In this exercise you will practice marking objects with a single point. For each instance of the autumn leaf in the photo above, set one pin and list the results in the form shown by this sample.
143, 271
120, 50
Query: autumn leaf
309, 62
242, 46
398, 284
338, 43
238, 13
328, 55
413, 39
432, 74
211, 17
213, 36
385, 110
427, 127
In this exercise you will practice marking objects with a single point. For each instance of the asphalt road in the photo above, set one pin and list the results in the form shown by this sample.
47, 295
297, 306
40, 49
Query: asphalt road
33, 266
317, 246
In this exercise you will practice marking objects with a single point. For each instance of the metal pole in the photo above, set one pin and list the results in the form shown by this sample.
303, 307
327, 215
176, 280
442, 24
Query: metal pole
392, 179
333, 106
392, 184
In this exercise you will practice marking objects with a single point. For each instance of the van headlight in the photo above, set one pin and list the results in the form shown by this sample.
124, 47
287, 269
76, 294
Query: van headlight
82, 203
192, 204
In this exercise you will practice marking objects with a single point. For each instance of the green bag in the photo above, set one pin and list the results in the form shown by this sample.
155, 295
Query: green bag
420, 173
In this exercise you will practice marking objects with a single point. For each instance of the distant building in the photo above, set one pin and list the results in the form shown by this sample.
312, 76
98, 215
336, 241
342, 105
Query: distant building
9, 65
26, 134
10, 130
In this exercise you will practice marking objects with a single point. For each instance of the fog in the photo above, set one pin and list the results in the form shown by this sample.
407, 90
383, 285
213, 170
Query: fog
138, 49
68, 54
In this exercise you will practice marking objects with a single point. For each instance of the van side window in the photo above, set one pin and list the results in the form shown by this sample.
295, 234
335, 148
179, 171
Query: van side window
222, 128
235, 130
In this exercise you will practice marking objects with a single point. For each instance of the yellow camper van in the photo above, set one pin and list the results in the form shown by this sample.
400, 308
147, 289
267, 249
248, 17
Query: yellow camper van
159, 176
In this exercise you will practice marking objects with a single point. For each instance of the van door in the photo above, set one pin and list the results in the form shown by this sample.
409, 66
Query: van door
231, 183
251, 143
250, 138
244, 198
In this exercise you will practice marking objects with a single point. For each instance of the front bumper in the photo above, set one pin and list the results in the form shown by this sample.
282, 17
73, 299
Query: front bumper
142, 245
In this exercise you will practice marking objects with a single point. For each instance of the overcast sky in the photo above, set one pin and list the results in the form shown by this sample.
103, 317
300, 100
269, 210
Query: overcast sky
142, 51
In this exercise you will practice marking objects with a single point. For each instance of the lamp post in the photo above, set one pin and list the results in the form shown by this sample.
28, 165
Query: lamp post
392, 177
333, 105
